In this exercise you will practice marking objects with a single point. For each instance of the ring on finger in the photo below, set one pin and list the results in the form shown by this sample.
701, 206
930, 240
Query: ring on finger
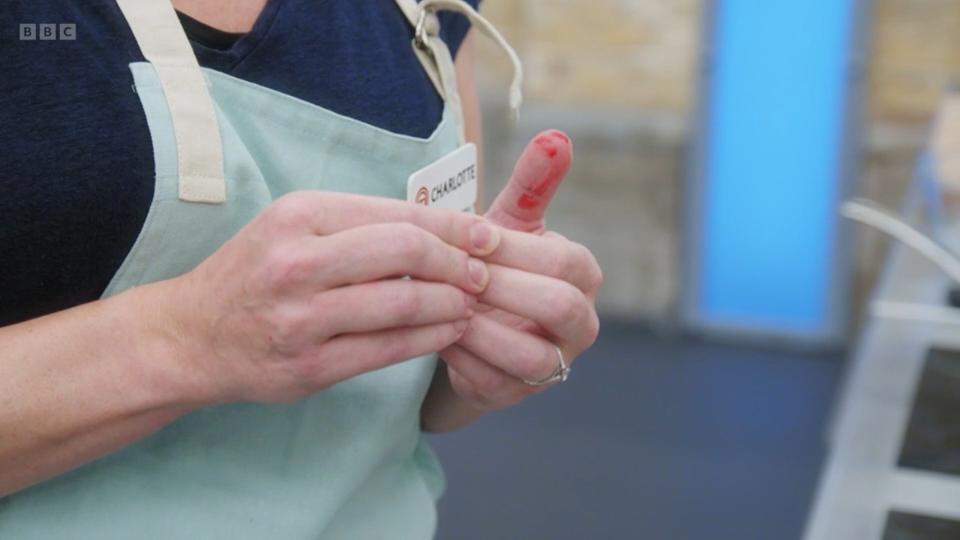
559, 374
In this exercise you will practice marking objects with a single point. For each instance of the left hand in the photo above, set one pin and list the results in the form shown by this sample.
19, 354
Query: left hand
541, 292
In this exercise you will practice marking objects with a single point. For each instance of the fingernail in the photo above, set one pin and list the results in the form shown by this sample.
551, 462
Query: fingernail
461, 326
560, 134
479, 274
484, 237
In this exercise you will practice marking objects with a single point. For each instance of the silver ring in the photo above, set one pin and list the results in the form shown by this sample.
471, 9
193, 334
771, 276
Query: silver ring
560, 374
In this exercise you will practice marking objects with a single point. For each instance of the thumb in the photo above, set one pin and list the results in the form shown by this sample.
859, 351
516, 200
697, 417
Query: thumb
536, 176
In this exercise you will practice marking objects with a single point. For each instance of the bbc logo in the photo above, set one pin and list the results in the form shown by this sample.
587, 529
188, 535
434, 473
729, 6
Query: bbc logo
48, 32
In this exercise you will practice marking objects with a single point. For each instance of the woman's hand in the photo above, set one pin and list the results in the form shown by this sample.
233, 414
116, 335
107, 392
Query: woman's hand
311, 293
540, 296
306, 295
540, 299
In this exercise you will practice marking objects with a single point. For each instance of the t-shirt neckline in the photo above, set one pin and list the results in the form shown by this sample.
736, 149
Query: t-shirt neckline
213, 49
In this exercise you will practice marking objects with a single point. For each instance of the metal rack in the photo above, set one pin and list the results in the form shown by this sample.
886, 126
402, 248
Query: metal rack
862, 483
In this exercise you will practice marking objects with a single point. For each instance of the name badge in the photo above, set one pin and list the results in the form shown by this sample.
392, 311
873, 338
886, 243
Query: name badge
449, 182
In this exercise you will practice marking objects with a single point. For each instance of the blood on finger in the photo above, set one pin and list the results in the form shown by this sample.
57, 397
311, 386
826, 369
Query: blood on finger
550, 143
526, 202
550, 149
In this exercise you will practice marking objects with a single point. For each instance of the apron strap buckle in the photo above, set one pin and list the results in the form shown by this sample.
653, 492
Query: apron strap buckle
428, 27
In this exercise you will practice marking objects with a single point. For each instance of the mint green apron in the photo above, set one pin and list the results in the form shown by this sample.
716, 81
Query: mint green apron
348, 462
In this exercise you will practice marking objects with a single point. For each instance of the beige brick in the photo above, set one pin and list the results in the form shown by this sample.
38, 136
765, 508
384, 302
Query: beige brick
633, 60
613, 53
915, 53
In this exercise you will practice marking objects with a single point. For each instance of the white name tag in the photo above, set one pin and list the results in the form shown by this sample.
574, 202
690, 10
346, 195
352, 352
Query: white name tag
449, 182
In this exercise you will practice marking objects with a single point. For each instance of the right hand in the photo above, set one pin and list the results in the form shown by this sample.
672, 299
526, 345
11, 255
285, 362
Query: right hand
311, 293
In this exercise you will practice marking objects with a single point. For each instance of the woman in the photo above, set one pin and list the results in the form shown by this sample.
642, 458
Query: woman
206, 329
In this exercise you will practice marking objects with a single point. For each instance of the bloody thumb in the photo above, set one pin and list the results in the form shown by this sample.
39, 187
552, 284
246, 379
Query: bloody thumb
522, 203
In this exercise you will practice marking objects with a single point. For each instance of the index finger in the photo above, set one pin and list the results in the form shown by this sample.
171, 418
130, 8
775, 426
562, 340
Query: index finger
327, 213
549, 255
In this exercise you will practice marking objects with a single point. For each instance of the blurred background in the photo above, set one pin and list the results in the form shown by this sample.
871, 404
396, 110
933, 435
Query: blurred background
714, 143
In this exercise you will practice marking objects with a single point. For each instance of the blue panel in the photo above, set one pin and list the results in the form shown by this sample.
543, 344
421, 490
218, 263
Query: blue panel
774, 140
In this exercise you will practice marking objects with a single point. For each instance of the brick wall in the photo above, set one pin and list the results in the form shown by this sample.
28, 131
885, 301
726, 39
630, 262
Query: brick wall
620, 77
614, 53
913, 55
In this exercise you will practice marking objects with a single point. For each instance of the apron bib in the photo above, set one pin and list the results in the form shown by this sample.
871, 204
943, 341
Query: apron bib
347, 462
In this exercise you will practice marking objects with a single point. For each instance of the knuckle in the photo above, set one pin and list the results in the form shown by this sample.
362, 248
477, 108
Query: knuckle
556, 261
408, 241
286, 200
404, 303
594, 278
287, 329
288, 267
561, 265
594, 272
565, 305
593, 328
288, 211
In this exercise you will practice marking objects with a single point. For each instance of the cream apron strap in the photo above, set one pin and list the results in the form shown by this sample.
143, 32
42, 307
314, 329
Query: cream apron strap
412, 13
428, 44
199, 150
479, 22
437, 60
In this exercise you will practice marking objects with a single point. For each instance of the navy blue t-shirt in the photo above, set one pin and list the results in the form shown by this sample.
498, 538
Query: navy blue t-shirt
76, 160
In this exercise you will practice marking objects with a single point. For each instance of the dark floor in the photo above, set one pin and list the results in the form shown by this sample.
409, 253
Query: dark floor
651, 438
